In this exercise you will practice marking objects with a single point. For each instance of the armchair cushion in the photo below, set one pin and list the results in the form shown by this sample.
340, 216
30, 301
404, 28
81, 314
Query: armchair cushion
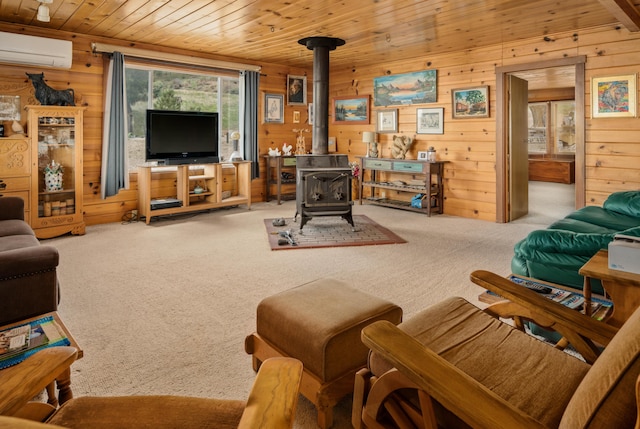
459, 332
464, 375
625, 202
11, 208
601, 216
605, 396
15, 227
149, 411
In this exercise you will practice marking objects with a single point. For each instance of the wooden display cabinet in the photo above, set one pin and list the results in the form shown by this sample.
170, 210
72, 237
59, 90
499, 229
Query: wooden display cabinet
55, 134
209, 177
15, 170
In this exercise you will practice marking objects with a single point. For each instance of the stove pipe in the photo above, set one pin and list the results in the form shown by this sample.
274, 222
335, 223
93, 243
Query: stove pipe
321, 47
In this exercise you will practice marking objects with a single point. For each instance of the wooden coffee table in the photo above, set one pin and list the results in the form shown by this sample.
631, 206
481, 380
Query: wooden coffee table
63, 382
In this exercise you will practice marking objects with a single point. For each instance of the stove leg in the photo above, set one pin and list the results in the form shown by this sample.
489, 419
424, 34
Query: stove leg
349, 218
303, 220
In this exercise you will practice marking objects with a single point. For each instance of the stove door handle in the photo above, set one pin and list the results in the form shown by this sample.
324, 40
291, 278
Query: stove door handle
340, 176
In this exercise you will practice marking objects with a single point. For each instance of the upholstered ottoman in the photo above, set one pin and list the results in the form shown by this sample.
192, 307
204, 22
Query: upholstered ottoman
319, 323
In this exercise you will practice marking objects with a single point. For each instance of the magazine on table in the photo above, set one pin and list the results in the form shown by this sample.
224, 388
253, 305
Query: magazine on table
600, 308
14, 341
24, 340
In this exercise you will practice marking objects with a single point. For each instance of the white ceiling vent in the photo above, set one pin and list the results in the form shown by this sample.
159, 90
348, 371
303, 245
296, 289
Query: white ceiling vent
35, 51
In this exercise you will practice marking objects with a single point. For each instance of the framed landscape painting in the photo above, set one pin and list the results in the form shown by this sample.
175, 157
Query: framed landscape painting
470, 102
403, 89
351, 110
614, 96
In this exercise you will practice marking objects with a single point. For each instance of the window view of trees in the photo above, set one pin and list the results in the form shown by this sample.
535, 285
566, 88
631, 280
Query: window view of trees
169, 90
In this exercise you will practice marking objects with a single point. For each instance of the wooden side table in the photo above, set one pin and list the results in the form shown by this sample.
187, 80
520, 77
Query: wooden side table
63, 382
622, 287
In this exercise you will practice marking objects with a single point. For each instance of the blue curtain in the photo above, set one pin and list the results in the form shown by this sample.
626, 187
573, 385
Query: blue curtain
251, 151
114, 151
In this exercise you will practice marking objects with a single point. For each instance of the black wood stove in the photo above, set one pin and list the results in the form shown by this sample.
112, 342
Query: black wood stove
323, 182
323, 187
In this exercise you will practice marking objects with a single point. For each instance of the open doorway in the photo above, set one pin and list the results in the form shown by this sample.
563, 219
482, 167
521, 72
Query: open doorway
544, 75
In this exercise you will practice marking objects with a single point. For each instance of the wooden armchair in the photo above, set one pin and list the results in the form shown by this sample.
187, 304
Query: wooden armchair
271, 403
455, 366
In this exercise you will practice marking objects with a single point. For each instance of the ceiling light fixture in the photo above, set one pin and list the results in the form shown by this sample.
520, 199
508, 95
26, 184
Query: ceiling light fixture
43, 10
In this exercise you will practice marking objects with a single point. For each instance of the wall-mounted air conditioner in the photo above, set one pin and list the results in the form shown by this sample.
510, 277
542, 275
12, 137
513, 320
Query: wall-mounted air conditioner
35, 51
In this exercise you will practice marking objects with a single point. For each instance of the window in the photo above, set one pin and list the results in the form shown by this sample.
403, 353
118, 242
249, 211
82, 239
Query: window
552, 128
165, 89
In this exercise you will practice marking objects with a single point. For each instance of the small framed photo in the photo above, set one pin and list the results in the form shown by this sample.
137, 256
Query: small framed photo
430, 121
273, 108
470, 102
296, 117
296, 90
351, 110
423, 156
614, 96
387, 121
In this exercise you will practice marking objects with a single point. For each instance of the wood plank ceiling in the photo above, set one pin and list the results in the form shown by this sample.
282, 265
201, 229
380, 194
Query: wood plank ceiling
375, 31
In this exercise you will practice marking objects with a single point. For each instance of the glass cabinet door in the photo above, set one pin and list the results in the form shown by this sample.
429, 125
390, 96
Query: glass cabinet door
55, 133
56, 166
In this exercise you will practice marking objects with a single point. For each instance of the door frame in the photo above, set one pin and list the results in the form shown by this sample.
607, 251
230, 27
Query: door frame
502, 118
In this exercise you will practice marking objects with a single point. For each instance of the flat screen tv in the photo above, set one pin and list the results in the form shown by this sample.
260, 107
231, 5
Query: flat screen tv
175, 137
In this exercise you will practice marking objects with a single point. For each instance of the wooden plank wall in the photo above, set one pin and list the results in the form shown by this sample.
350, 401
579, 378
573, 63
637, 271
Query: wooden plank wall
612, 145
612, 148
468, 145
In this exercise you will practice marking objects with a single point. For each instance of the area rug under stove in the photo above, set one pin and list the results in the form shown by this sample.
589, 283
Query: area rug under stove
330, 231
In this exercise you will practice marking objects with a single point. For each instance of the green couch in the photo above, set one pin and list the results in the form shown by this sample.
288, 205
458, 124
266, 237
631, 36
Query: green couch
557, 253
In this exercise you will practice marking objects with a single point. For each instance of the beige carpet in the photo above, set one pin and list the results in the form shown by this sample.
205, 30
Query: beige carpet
164, 308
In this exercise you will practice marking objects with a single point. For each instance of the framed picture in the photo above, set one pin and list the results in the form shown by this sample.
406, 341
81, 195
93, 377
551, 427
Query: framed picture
387, 121
614, 96
296, 117
296, 90
423, 156
310, 113
470, 102
274, 108
407, 88
430, 121
351, 110
332, 147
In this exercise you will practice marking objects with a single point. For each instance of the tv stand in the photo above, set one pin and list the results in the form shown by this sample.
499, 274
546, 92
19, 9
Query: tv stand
178, 184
